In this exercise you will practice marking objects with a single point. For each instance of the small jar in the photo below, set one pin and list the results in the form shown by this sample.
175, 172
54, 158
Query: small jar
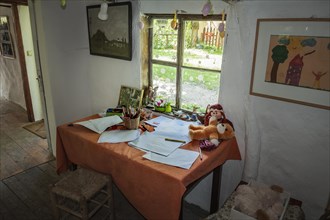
168, 108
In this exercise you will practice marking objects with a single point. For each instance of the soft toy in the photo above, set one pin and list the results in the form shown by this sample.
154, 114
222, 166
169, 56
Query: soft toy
260, 202
214, 110
217, 111
214, 131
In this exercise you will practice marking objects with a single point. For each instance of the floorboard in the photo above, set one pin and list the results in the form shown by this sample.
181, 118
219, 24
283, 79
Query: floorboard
19, 148
12, 206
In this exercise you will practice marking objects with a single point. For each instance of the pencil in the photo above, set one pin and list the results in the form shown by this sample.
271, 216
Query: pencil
174, 140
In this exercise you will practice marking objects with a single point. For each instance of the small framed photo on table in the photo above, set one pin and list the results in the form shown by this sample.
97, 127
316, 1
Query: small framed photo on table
130, 97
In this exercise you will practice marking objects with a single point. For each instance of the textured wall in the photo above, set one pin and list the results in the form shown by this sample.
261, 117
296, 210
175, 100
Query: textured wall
293, 140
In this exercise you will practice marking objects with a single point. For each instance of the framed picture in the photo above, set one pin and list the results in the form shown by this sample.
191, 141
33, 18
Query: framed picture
112, 37
130, 97
6, 43
292, 61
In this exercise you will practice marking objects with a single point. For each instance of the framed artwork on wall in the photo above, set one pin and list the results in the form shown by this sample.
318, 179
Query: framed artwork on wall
111, 37
130, 97
6, 44
292, 61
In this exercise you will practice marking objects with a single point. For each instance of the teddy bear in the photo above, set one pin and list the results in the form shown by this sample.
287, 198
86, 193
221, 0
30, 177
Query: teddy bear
260, 202
214, 131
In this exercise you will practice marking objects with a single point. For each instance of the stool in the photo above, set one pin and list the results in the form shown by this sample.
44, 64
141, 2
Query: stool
82, 193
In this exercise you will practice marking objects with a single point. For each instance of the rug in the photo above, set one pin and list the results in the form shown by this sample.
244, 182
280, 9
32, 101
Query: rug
37, 128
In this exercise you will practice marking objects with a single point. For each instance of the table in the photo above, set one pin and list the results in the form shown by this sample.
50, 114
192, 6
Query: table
154, 189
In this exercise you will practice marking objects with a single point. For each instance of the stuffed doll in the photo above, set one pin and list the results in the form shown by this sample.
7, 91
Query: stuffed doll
213, 110
217, 111
213, 132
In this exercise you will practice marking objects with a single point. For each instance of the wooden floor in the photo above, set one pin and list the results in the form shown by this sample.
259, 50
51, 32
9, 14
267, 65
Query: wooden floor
19, 148
27, 170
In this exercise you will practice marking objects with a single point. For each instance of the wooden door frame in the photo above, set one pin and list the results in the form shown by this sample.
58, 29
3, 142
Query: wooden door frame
20, 48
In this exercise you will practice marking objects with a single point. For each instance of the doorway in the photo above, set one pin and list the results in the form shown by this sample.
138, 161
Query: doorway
25, 66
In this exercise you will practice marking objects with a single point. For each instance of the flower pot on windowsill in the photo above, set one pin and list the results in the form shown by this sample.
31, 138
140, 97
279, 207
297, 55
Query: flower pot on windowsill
168, 108
160, 108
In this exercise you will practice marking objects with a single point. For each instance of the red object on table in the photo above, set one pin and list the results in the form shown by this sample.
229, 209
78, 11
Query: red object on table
154, 189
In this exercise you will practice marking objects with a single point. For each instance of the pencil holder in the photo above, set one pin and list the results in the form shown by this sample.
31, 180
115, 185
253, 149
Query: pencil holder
131, 123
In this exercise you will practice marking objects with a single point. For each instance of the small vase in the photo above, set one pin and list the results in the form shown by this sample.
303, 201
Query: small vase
168, 108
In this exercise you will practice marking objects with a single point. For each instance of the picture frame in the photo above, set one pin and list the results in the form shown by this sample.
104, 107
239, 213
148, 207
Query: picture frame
291, 61
112, 37
130, 97
7, 49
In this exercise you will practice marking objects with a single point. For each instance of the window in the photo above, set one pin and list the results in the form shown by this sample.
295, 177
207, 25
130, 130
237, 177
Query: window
185, 63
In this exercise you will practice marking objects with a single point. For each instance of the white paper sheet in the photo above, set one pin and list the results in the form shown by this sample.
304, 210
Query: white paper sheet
158, 120
175, 129
101, 124
117, 136
155, 143
179, 158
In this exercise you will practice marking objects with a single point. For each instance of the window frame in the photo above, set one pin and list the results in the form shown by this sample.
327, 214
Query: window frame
180, 45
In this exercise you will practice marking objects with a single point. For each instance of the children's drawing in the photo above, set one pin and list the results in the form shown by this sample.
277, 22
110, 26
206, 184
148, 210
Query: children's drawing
302, 61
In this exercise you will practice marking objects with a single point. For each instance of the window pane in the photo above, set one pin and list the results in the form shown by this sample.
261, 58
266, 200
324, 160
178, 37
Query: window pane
199, 88
203, 45
164, 42
164, 77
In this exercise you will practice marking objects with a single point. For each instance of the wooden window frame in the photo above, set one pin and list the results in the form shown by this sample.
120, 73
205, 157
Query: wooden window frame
179, 63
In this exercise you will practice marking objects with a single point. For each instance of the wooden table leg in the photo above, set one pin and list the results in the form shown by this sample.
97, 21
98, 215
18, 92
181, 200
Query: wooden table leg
216, 186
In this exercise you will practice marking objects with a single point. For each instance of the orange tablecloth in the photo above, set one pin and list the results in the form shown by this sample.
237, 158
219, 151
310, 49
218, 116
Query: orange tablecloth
152, 188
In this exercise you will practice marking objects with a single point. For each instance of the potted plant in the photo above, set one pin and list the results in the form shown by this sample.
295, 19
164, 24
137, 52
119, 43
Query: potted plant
160, 105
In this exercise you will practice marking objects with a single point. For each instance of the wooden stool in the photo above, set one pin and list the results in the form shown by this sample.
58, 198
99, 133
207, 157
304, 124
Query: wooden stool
82, 193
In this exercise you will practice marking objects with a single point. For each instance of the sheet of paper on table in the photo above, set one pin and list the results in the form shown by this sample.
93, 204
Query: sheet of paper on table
117, 136
179, 158
101, 124
158, 120
175, 129
155, 143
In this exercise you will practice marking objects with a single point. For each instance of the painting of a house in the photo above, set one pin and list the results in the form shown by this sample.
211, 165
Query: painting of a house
112, 37
299, 61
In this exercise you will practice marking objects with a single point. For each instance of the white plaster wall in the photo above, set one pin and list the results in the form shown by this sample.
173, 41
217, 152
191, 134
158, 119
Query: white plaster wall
11, 84
293, 140
24, 19
76, 83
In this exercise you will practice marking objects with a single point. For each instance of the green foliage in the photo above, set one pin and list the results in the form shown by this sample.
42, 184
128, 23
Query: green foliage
196, 54
280, 53
210, 80
164, 53
188, 34
191, 106
212, 49
164, 72
164, 37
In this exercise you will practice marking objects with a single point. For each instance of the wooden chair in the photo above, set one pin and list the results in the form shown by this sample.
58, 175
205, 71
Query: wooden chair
82, 193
